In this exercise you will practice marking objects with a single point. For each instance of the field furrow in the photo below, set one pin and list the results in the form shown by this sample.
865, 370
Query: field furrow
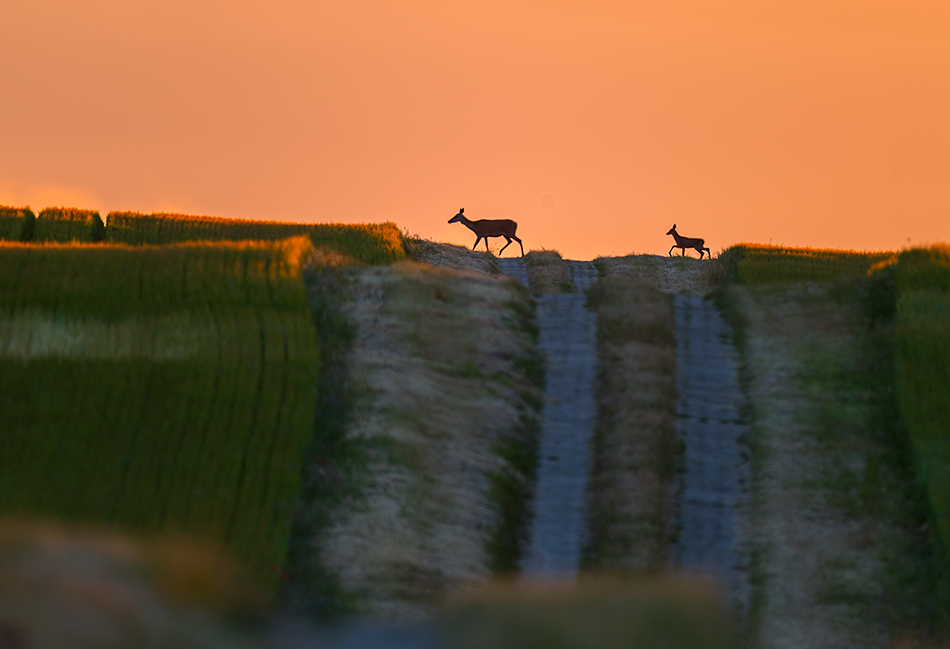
146, 388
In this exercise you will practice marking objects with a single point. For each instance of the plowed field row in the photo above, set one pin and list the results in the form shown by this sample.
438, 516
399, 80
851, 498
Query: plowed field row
207, 440
374, 243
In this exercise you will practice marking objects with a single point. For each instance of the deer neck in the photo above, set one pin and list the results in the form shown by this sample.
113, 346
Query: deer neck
468, 224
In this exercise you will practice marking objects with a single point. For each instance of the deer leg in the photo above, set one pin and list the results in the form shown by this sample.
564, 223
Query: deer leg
671, 250
476, 243
519, 243
505, 246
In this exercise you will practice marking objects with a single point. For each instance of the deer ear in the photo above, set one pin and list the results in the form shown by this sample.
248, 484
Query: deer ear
674, 225
461, 209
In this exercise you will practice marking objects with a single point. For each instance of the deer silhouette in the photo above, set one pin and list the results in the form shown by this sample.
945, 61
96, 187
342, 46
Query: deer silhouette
687, 242
485, 228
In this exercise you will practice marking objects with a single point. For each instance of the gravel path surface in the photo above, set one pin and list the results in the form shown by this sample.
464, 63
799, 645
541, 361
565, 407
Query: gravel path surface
713, 486
716, 479
583, 274
569, 341
514, 268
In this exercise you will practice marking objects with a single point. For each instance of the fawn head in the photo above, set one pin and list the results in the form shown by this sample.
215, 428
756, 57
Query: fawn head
672, 230
459, 216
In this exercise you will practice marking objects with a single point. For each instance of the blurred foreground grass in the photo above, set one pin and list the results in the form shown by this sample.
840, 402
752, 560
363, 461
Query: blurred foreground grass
81, 589
593, 614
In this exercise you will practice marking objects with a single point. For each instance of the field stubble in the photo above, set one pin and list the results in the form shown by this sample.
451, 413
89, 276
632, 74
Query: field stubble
441, 412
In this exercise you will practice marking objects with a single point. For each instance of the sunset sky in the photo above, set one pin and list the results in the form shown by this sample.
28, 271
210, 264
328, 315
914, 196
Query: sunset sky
594, 124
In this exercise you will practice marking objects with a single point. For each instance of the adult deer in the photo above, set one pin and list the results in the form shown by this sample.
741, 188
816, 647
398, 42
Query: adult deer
485, 228
687, 242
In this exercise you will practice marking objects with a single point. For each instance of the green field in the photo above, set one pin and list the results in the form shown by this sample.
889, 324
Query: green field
922, 363
158, 388
917, 296
66, 224
367, 243
16, 223
905, 298
762, 264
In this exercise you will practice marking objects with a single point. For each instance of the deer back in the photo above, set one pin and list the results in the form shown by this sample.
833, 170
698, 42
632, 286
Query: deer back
687, 242
494, 227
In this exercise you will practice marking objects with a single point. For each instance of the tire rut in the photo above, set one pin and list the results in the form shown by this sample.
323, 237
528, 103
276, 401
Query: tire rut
715, 481
568, 339
711, 490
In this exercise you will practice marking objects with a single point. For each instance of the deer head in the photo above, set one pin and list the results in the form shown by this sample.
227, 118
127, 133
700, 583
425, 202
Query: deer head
672, 230
459, 216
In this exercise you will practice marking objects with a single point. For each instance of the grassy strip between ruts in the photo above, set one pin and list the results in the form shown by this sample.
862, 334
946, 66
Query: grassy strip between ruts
889, 406
378, 243
547, 272
635, 445
160, 388
16, 223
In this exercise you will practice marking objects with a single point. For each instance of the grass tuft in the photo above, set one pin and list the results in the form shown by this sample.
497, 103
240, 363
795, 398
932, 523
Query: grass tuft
547, 272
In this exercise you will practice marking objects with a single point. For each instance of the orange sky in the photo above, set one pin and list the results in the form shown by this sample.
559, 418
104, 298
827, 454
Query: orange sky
593, 124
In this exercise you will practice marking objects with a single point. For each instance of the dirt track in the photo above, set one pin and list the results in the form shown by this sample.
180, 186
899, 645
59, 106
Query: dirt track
713, 493
568, 339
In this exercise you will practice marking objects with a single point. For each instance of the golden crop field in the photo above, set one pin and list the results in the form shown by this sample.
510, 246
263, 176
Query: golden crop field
367, 243
65, 224
16, 223
164, 388
760, 264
